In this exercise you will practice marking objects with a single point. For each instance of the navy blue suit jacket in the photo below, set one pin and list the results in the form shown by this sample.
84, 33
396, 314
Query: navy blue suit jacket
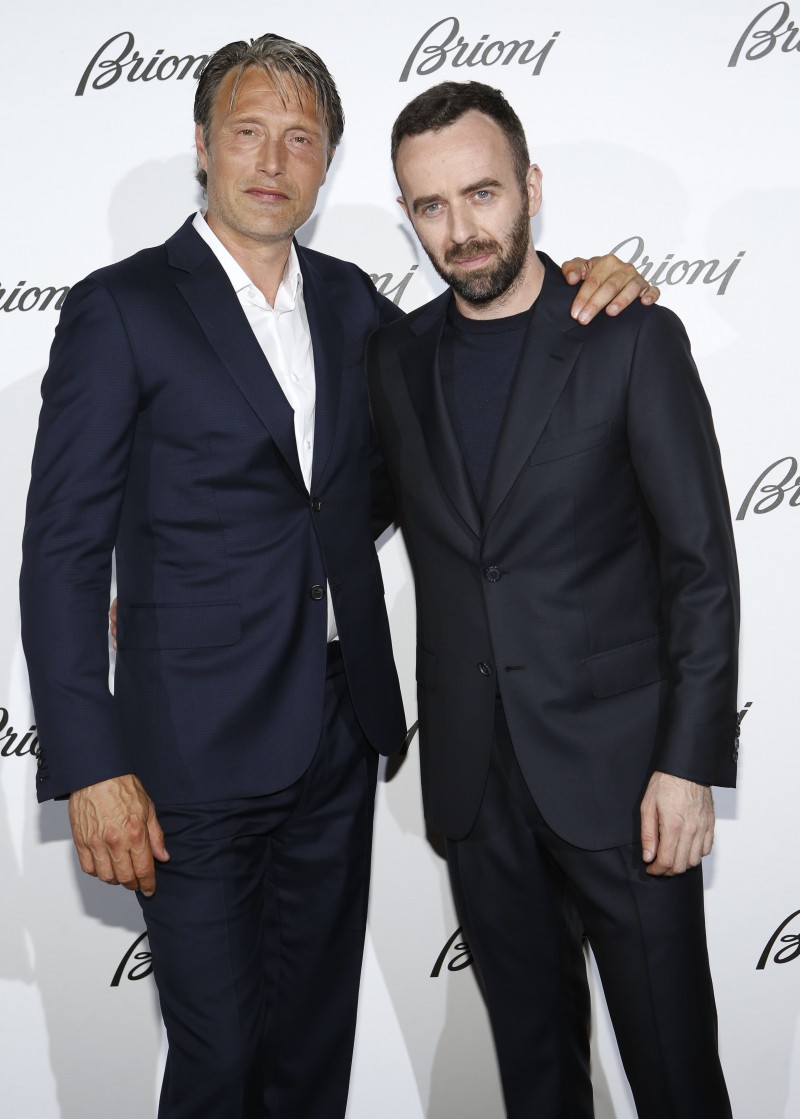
596, 588
164, 435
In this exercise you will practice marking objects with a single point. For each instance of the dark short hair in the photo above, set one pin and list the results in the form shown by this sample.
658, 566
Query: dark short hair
447, 102
295, 70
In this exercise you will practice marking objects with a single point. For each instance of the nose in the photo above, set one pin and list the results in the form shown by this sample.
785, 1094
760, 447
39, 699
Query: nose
462, 226
272, 157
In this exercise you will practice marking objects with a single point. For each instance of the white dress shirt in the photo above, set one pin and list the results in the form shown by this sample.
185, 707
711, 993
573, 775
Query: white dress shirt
283, 334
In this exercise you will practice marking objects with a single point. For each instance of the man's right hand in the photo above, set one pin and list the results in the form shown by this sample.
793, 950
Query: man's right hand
117, 833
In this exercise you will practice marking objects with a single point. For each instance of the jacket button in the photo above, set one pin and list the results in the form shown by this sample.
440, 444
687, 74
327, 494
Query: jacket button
317, 592
485, 669
316, 505
492, 574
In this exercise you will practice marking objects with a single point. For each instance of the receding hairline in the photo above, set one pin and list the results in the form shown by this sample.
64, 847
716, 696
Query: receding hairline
288, 85
438, 129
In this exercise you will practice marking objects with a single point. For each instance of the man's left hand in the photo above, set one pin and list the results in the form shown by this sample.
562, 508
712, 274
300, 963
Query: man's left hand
677, 824
607, 282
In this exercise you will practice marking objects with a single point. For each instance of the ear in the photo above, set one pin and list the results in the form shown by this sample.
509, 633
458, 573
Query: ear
402, 203
533, 186
200, 146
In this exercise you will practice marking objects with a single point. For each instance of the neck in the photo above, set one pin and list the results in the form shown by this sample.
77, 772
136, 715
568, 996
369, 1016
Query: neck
263, 261
522, 293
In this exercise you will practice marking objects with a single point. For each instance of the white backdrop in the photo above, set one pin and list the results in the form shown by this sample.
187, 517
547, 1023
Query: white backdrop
667, 131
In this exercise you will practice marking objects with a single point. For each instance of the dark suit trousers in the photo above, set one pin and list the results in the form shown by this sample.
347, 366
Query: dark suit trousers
256, 931
522, 895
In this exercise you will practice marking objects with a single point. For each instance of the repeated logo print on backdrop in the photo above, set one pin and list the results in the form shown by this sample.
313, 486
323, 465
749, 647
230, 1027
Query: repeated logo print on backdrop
671, 271
116, 58
458, 951
784, 944
17, 744
141, 963
442, 44
771, 29
32, 298
778, 483
385, 283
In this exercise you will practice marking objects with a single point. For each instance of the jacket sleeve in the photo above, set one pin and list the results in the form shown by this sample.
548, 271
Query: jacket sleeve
677, 462
80, 463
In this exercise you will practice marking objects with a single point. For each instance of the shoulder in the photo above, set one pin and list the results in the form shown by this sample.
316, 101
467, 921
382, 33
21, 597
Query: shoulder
351, 291
636, 323
429, 316
618, 330
136, 273
140, 284
334, 270
645, 334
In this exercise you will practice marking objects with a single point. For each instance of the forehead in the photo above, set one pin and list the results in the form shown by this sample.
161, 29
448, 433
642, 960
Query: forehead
472, 147
256, 91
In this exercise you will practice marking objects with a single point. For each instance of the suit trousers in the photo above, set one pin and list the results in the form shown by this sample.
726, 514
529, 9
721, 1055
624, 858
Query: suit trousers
523, 896
256, 931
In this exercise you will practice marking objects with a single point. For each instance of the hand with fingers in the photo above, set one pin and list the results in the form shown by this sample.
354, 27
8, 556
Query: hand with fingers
677, 824
117, 833
607, 283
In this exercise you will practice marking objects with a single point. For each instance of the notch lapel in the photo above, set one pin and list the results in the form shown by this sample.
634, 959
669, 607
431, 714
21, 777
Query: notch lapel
546, 362
327, 343
420, 362
210, 296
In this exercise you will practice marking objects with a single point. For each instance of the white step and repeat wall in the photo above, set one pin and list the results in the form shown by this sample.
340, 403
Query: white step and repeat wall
666, 132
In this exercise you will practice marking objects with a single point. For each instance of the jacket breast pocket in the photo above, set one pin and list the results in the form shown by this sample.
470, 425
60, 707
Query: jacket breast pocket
627, 667
571, 443
178, 626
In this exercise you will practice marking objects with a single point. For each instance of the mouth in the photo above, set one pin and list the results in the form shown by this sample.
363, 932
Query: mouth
473, 262
472, 255
267, 194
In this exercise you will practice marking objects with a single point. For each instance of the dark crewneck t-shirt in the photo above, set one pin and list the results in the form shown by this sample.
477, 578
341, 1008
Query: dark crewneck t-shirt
478, 359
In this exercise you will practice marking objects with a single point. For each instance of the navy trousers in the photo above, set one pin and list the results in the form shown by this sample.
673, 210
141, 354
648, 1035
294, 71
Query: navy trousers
524, 896
257, 930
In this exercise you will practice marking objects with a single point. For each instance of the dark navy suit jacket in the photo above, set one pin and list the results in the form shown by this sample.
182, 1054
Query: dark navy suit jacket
164, 435
596, 588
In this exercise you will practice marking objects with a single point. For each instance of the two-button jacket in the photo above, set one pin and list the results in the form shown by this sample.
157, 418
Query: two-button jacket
165, 436
596, 588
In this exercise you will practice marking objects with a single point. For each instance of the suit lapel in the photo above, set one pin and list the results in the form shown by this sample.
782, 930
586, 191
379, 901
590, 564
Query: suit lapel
419, 359
546, 362
327, 343
202, 281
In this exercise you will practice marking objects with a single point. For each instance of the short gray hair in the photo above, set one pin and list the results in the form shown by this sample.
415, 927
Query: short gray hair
294, 69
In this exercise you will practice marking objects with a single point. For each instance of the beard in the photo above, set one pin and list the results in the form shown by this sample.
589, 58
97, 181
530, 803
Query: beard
493, 280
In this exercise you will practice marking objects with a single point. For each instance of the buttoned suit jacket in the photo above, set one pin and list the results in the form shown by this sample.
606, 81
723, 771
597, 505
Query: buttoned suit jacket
596, 588
164, 435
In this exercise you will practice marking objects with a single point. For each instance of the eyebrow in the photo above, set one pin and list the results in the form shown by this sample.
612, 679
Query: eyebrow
481, 184
306, 122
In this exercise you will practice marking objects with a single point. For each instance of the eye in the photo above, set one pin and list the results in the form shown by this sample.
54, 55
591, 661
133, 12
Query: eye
432, 208
482, 195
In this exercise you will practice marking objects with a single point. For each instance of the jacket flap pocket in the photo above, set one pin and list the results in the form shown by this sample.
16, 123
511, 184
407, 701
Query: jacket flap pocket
180, 626
426, 669
570, 443
627, 667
